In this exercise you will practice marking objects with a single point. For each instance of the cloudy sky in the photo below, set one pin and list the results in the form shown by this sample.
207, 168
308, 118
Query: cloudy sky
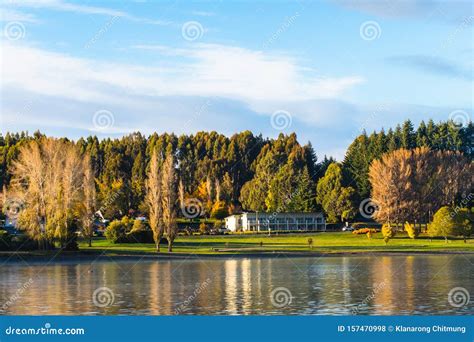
324, 69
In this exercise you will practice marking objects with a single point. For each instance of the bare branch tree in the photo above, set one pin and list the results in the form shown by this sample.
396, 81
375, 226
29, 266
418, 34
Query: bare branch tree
48, 177
153, 199
169, 199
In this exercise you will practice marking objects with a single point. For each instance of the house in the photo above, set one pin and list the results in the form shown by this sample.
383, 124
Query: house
276, 222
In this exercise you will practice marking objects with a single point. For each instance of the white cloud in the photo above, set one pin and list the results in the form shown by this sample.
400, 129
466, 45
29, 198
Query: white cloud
207, 70
206, 87
59, 5
14, 15
203, 13
59, 94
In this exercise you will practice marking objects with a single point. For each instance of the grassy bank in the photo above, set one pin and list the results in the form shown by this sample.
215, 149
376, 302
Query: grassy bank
340, 242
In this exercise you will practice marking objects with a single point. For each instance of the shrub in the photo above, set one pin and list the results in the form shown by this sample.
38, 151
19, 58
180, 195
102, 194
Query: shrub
310, 243
347, 215
411, 231
364, 231
115, 232
127, 223
138, 226
388, 232
443, 223
203, 228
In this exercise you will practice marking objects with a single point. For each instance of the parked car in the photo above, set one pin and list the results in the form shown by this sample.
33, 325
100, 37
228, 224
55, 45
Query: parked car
224, 230
348, 229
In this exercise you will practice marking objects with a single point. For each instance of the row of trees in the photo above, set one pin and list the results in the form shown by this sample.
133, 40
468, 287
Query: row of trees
161, 198
244, 170
54, 184
225, 175
444, 136
409, 173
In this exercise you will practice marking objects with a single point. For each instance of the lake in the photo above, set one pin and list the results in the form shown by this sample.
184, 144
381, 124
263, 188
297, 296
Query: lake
365, 285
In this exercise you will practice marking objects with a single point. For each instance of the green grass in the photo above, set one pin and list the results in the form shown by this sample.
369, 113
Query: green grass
322, 243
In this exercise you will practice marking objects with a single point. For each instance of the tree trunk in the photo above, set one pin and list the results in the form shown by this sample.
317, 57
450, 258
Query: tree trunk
445, 239
157, 244
90, 242
170, 246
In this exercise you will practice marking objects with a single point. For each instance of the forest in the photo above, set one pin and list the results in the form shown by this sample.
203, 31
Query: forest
408, 173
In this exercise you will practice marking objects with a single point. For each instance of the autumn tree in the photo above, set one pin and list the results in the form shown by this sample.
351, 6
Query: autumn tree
409, 184
168, 184
153, 199
388, 232
89, 200
48, 176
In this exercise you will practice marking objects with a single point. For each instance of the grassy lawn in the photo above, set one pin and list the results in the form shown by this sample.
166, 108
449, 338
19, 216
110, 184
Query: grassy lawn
322, 243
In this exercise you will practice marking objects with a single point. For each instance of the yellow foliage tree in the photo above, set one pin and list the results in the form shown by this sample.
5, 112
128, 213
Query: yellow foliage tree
411, 231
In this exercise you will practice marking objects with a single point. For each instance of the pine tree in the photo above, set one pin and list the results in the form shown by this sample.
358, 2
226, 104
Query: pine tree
408, 138
421, 137
304, 197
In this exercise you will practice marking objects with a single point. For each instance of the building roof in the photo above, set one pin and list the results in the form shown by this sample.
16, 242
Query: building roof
263, 213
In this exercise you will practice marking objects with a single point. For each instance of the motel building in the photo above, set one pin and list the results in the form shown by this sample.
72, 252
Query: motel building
257, 222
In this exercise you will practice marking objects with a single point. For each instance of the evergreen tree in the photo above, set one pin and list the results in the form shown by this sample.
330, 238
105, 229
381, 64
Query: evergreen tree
333, 197
408, 138
422, 139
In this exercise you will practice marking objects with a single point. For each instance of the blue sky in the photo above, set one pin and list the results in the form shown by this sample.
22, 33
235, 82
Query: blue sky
324, 69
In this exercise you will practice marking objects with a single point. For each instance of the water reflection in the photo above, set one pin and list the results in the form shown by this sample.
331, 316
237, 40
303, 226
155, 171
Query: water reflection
381, 285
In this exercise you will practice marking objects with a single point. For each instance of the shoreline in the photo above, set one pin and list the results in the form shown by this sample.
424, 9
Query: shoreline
55, 257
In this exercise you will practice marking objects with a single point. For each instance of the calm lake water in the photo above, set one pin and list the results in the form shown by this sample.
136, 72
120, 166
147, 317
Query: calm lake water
380, 285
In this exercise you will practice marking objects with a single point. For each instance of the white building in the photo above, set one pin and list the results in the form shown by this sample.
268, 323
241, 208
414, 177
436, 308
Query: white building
276, 222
